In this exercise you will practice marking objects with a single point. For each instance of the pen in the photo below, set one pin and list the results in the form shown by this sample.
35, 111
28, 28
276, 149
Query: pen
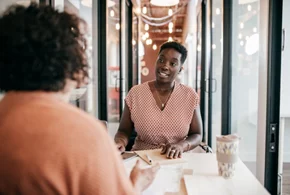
148, 157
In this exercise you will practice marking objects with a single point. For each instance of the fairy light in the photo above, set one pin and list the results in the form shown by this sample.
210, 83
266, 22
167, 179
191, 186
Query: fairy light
146, 27
112, 13
118, 26
170, 12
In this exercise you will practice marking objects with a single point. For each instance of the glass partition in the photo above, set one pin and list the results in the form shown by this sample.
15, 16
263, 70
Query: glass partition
245, 74
217, 48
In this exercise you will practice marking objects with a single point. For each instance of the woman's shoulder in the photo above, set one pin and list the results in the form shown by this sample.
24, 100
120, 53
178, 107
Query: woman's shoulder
139, 88
186, 89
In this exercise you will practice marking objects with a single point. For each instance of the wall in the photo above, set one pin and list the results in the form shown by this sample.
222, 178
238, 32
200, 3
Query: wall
148, 62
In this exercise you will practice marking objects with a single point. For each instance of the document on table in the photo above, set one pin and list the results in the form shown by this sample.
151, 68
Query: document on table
167, 180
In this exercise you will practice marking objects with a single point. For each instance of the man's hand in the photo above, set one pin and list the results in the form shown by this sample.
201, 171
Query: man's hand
142, 178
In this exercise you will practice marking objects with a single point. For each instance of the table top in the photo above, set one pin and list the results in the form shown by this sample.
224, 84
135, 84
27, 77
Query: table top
205, 178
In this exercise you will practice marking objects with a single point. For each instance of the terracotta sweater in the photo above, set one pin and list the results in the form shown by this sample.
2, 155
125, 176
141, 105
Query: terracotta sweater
50, 147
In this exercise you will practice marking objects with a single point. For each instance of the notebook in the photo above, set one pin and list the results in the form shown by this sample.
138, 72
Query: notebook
157, 157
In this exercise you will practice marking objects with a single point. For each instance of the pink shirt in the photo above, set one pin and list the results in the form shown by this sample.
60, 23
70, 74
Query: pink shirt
155, 127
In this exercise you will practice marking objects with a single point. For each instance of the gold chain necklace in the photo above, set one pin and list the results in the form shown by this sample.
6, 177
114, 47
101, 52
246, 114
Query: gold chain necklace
163, 104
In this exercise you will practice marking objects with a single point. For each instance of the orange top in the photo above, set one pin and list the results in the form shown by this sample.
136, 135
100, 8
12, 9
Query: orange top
50, 147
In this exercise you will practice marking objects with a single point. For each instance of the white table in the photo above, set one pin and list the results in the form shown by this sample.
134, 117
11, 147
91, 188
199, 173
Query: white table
205, 179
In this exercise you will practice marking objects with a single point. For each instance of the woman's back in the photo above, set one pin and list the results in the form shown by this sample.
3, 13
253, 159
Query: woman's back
51, 147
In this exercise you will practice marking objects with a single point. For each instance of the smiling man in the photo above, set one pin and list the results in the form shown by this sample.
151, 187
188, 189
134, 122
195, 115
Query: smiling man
163, 112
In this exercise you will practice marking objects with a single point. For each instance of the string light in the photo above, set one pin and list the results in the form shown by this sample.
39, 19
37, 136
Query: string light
144, 37
146, 27
170, 12
144, 10
254, 29
213, 46
148, 41
241, 43
170, 30
240, 36
241, 25
217, 11
213, 25
170, 39
154, 47
118, 26
198, 47
138, 10
249, 7
133, 42
170, 25
112, 13
146, 34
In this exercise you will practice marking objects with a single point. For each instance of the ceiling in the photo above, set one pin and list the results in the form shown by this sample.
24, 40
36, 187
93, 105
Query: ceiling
158, 20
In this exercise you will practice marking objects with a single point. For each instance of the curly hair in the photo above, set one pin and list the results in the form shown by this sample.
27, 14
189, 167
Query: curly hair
41, 48
177, 46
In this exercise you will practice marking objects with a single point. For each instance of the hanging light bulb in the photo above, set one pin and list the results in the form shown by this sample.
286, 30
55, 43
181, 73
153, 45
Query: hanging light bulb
241, 25
154, 47
240, 36
138, 10
213, 25
117, 26
241, 43
198, 47
170, 25
170, 12
150, 41
133, 42
170, 30
144, 10
146, 27
213, 46
170, 39
217, 11
144, 37
146, 34
112, 13
249, 7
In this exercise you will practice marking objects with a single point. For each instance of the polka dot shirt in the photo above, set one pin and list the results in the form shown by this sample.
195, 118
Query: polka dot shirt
154, 126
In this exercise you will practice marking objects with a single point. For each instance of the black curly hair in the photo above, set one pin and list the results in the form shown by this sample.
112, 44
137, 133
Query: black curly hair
41, 48
177, 46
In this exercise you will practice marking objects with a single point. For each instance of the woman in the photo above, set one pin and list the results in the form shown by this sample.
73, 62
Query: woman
163, 112
48, 146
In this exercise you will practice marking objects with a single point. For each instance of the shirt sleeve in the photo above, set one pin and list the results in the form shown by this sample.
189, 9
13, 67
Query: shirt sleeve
104, 172
195, 99
130, 98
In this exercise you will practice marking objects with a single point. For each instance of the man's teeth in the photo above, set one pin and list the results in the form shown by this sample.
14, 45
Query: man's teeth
163, 74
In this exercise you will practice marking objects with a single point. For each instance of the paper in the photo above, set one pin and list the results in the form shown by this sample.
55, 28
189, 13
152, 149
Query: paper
167, 180
157, 157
